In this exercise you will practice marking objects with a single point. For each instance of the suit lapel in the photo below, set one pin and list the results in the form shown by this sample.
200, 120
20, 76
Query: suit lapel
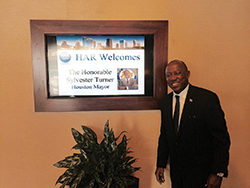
187, 109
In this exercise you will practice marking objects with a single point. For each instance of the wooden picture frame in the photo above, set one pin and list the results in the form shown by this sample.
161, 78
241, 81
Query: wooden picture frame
41, 28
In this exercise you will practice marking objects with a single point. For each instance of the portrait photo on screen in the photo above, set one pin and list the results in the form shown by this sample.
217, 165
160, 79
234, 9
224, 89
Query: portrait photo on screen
128, 79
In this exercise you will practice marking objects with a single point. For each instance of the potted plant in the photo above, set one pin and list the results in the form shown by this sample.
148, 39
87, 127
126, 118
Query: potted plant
104, 165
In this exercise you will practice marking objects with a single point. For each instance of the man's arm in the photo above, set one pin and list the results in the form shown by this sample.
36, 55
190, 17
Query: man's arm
120, 85
133, 84
162, 153
216, 124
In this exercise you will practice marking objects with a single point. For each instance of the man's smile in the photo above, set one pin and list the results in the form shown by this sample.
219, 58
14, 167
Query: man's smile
175, 84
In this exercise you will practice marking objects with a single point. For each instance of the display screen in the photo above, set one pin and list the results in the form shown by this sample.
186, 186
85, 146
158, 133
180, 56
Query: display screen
80, 66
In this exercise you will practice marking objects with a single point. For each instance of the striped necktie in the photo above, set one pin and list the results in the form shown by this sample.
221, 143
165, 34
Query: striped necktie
176, 113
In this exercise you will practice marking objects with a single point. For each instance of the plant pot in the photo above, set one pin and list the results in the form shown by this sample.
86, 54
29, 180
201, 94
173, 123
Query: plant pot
135, 183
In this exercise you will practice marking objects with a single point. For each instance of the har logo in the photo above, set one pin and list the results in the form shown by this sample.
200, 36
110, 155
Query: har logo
65, 57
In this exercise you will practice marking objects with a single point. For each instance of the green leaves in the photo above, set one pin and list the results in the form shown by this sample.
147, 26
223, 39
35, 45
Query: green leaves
69, 161
104, 165
86, 141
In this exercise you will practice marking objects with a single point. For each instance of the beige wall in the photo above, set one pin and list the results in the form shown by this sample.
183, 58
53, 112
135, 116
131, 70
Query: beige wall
212, 37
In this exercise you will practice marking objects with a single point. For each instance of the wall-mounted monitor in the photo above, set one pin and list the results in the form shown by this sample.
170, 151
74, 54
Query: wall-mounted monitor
98, 65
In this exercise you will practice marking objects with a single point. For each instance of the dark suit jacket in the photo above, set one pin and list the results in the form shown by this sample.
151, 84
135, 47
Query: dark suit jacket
202, 144
123, 82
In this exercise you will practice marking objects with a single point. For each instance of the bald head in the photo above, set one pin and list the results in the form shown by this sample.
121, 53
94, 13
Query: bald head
178, 62
127, 74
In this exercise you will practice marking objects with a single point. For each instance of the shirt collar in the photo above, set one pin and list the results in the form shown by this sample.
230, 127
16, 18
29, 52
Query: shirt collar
182, 94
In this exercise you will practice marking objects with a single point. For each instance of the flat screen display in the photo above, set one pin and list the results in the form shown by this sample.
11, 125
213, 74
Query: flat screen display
80, 66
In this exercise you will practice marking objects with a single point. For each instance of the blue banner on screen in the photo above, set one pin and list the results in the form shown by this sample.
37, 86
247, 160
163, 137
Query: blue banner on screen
100, 65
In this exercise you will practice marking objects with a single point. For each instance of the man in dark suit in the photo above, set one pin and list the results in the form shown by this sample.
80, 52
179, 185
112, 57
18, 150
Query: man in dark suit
193, 134
127, 82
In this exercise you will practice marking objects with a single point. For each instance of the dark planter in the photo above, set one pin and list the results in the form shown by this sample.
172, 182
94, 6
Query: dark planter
135, 181
132, 181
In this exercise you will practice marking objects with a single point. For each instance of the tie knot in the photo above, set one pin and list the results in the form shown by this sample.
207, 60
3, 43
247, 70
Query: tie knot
177, 97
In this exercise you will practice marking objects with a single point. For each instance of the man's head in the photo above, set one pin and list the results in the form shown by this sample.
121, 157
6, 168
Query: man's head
127, 74
177, 75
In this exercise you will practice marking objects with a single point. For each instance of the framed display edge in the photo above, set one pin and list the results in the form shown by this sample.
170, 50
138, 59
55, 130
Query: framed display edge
39, 28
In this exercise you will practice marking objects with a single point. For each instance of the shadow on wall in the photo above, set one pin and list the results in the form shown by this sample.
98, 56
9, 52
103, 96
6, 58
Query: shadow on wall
228, 182
143, 143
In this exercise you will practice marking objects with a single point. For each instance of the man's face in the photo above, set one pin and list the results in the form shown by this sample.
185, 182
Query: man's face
177, 76
127, 74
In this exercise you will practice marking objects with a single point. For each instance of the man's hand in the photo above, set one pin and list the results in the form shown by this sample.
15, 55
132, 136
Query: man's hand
159, 173
213, 181
122, 87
